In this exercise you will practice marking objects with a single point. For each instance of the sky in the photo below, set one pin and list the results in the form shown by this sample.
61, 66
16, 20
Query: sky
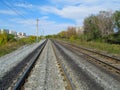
54, 15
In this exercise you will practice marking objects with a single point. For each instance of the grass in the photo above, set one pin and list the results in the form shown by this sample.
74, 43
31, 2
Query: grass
8, 43
99, 46
9, 47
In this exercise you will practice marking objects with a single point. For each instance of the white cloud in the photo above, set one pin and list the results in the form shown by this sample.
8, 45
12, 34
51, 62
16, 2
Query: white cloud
49, 27
23, 22
72, 12
44, 17
79, 12
8, 12
30, 22
23, 5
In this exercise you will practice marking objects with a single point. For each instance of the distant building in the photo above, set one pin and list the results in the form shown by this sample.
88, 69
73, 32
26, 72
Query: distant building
21, 34
13, 32
4, 31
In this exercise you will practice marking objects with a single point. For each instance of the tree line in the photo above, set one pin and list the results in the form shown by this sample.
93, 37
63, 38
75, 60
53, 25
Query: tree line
104, 26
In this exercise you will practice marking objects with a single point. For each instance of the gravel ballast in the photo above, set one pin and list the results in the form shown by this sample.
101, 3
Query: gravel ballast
9, 62
45, 75
87, 74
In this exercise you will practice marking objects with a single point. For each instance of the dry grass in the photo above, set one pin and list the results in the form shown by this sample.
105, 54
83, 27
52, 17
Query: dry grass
99, 46
9, 47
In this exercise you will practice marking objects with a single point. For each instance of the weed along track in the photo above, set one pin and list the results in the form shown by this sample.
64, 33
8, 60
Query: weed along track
105, 61
86, 70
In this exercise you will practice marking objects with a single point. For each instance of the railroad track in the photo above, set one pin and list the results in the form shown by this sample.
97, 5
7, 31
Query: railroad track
69, 86
109, 63
13, 71
20, 84
21, 80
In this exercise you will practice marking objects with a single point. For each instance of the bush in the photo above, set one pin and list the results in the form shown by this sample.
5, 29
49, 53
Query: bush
113, 38
3, 38
72, 38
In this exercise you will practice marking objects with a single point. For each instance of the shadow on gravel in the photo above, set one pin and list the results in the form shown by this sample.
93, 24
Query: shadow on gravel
83, 77
11, 75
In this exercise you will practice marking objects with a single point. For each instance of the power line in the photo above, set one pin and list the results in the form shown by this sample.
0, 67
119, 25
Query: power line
13, 8
10, 7
26, 10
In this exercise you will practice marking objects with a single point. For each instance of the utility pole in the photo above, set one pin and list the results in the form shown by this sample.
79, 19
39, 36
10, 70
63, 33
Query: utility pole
37, 31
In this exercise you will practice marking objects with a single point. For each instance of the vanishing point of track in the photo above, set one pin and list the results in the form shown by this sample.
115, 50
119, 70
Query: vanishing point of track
19, 85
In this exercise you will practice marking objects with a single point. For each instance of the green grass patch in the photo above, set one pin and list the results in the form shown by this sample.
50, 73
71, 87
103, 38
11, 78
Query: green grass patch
9, 47
99, 46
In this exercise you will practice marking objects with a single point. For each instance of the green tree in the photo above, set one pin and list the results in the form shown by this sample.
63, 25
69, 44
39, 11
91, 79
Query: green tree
116, 18
62, 34
105, 22
91, 28
11, 37
3, 38
71, 31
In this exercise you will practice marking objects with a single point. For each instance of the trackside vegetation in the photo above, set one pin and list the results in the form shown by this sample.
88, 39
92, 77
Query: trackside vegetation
101, 32
9, 42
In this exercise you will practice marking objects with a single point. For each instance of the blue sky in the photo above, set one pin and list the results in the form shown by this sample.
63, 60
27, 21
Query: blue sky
54, 15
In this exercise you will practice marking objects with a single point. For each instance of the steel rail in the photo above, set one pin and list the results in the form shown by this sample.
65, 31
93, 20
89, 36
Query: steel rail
92, 51
22, 79
111, 67
69, 82
118, 70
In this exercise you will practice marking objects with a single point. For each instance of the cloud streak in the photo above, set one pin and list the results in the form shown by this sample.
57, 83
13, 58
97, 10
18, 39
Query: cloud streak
83, 8
23, 5
8, 12
45, 25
